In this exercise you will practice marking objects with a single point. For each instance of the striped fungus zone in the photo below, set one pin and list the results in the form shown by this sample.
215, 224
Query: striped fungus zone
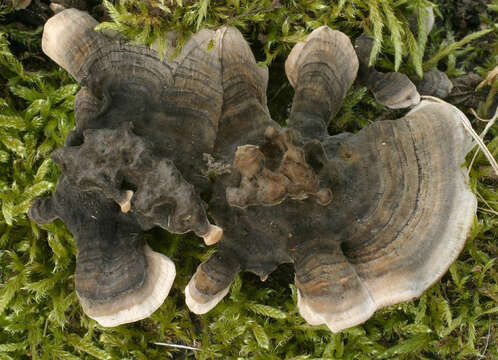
368, 220
134, 113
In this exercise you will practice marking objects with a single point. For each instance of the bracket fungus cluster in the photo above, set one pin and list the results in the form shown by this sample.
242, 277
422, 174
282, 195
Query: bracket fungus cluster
368, 219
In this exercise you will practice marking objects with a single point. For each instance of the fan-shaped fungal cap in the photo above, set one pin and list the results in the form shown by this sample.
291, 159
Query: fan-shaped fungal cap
435, 83
137, 179
321, 69
136, 305
401, 211
407, 211
417, 229
197, 301
393, 89
163, 98
211, 282
119, 279
69, 40
196, 305
245, 114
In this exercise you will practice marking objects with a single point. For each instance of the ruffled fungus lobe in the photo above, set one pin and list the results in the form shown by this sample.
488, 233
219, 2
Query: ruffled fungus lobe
368, 220
274, 171
161, 196
401, 206
128, 165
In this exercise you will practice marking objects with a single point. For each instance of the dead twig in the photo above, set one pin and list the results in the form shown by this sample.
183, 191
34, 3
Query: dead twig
490, 122
466, 124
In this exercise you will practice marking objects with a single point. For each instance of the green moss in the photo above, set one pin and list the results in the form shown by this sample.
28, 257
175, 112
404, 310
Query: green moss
40, 316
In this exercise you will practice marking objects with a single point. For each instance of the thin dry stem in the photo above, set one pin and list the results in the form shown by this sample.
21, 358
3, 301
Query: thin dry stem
466, 124
178, 346
485, 202
489, 78
490, 123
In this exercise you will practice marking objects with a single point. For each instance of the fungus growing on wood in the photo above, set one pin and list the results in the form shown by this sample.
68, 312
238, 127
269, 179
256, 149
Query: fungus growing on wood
400, 206
368, 220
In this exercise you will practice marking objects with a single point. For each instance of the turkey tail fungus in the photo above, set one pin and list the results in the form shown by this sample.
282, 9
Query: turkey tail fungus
398, 206
128, 165
119, 279
368, 219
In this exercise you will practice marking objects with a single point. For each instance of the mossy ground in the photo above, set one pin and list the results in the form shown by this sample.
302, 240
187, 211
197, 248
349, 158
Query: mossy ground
40, 316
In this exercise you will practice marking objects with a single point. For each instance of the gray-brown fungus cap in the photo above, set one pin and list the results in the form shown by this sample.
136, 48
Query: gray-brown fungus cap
435, 83
119, 279
368, 220
398, 206
134, 160
393, 89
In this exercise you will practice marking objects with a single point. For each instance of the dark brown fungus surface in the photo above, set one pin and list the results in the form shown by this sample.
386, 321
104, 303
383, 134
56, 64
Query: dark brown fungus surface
119, 279
245, 114
368, 220
321, 70
400, 211
111, 159
121, 83
134, 160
